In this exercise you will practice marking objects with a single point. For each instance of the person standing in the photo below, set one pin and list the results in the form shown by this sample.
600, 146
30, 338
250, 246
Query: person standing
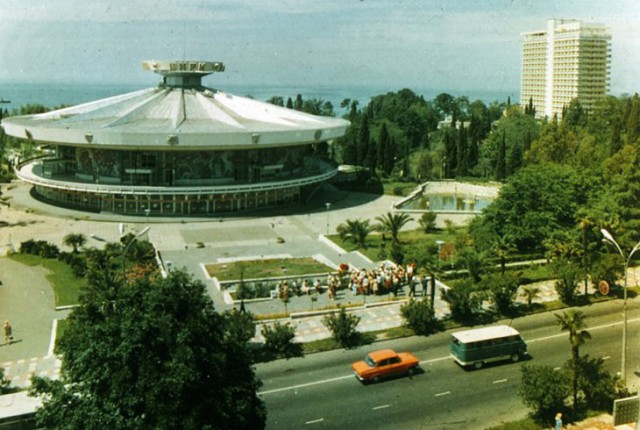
8, 333
558, 421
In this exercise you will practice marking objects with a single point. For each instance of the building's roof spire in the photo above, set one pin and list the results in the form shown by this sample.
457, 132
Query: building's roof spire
183, 73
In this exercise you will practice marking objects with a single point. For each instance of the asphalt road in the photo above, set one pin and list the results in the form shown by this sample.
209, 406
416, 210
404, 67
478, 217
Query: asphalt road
320, 392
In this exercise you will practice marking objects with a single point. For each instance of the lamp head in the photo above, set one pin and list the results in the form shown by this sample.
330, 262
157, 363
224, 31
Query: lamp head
607, 235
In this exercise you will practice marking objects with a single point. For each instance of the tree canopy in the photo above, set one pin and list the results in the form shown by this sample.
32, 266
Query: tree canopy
151, 354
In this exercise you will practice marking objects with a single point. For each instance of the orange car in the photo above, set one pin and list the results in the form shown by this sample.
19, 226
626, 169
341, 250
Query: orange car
383, 364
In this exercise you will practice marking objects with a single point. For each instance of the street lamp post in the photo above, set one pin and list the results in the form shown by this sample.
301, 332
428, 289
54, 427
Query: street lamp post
328, 205
126, 249
440, 245
609, 239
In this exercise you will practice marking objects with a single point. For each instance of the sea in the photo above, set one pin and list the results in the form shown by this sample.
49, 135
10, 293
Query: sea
13, 95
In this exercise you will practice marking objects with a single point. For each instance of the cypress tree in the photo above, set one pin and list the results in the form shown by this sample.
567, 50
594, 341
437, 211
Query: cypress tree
363, 141
450, 153
384, 149
633, 121
616, 138
501, 161
462, 152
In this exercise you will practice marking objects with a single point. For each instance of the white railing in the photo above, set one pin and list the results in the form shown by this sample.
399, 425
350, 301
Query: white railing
27, 174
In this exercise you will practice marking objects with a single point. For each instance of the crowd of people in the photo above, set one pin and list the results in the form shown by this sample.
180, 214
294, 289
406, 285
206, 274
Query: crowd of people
384, 279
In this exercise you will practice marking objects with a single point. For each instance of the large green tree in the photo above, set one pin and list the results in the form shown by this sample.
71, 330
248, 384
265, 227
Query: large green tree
152, 354
533, 204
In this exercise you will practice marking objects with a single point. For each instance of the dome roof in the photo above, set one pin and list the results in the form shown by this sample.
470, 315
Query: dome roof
178, 114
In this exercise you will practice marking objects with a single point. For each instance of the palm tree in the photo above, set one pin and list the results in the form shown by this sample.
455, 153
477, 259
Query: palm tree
474, 262
392, 223
530, 293
573, 321
75, 240
355, 231
503, 246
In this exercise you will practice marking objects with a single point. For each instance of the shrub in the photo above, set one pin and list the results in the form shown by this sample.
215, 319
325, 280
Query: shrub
244, 291
241, 325
261, 290
428, 221
420, 317
463, 301
343, 328
503, 290
279, 341
600, 388
76, 262
568, 277
42, 248
544, 390
5, 384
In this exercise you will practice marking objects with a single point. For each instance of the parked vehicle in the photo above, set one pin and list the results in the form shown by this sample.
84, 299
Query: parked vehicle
478, 346
384, 364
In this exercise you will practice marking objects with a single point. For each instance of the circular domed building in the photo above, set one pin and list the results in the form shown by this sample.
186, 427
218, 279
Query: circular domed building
178, 149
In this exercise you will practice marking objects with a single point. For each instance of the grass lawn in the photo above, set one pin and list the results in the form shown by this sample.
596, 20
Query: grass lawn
66, 286
390, 187
523, 424
270, 268
61, 327
409, 239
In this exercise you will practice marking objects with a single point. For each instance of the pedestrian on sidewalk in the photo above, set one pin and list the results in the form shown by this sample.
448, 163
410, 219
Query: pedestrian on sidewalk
558, 421
8, 333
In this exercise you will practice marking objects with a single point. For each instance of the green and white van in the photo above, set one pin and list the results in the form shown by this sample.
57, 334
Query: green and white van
478, 346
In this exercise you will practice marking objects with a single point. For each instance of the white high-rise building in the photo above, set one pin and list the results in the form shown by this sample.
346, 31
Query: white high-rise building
569, 59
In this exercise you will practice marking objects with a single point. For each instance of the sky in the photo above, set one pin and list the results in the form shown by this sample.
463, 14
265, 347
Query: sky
446, 44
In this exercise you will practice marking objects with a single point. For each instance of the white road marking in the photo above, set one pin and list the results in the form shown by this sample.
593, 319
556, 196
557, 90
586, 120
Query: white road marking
499, 381
315, 421
309, 384
380, 407
433, 360
443, 394
598, 327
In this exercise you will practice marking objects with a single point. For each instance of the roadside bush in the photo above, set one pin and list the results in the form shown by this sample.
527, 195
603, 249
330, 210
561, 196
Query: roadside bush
503, 290
464, 301
544, 390
420, 317
568, 277
279, 341
343, 328
600, 388
241, 325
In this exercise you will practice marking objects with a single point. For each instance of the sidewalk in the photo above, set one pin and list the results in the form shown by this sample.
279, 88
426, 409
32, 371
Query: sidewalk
376, 313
